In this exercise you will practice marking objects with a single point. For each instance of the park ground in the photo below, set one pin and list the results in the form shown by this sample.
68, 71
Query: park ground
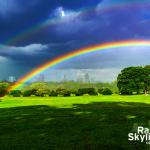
72, 123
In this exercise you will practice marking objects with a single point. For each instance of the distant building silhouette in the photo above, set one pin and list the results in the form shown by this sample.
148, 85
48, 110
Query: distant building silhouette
86, 77
11, 79
65, 78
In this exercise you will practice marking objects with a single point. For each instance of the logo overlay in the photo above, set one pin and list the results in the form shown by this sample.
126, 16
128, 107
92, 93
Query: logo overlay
142, 135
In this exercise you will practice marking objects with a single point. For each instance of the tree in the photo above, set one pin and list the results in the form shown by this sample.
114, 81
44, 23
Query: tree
66, 93
63, 92
100, 90
52, 93
28, 93
42, 92
90, 91
3, 92
3, 88
146, 78
15, 93
107, 91
131, 80
37, 85
73, 92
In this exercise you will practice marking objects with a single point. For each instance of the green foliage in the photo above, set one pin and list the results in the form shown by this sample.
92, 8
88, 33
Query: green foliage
53, 93
42, 92
63, 92
131, 80
33, 91
107, 91
3, 88
74, 92
86, 95
147, 79
28, 93
36, 86
90, 91
71, 86
100, 90
15, 93
3, 92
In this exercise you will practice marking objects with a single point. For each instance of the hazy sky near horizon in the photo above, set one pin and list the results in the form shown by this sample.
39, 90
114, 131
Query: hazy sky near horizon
26, 43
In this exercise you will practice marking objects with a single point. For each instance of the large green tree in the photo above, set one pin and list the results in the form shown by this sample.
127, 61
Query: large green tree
131, 79
146, 79
3, 88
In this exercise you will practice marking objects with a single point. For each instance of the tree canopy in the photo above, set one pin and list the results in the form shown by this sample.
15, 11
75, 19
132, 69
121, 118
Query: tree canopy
134, 79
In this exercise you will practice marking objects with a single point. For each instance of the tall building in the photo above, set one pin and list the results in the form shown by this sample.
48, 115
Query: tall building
65, 78
80, 76
87, 77
11, 79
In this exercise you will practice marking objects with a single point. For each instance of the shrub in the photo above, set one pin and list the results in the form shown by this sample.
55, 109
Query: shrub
90, 91
63, 92
52, 93
125, 91
27, 93
73, 92
100, 91
107, 91
15, 93
33, 91
86, 95
42, 92
66, 93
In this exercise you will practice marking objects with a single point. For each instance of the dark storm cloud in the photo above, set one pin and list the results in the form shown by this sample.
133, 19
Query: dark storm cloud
76, 24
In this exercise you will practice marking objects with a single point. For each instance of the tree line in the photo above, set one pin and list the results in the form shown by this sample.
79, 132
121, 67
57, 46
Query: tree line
131, 80
61, 89
41, 92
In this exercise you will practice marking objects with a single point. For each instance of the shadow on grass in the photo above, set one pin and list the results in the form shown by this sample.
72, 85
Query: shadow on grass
94, 126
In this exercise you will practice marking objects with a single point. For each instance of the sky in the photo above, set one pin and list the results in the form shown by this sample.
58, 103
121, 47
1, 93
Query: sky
35, 32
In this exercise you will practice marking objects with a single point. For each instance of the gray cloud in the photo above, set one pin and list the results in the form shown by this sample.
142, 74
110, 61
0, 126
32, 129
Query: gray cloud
31, 49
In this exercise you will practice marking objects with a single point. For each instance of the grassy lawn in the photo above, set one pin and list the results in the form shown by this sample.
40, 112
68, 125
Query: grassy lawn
73, 123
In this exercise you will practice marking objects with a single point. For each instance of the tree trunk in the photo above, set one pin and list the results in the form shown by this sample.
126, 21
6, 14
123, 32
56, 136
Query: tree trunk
146, 92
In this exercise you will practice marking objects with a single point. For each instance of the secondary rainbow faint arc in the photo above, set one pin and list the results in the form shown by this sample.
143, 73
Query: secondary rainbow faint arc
48, 22
75, 53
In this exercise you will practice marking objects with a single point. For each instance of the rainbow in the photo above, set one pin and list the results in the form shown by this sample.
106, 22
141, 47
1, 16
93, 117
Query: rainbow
52, 21
75, 53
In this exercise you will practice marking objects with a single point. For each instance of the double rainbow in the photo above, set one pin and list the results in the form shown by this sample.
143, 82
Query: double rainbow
75, 53
51, 21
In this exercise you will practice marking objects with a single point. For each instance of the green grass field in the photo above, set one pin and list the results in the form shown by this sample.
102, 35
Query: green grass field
73, 123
